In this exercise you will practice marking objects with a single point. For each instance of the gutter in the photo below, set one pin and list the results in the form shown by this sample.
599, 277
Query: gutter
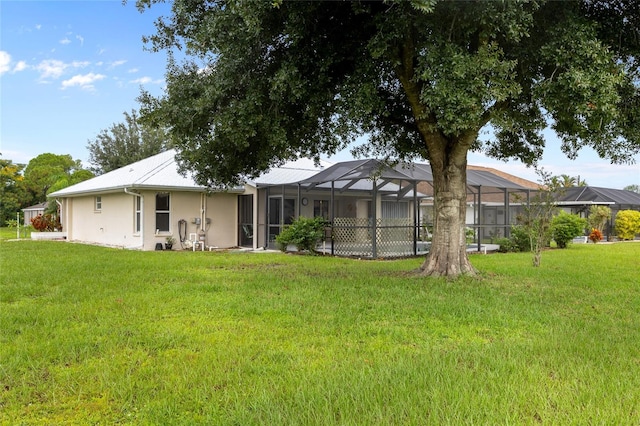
135, 194
585, 203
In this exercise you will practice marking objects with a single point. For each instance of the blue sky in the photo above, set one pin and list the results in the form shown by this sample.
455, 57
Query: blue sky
69, 69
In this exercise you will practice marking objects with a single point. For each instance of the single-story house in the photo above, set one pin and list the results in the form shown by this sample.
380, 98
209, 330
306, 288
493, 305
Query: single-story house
373, 209
140, 205
33, 211
579, 199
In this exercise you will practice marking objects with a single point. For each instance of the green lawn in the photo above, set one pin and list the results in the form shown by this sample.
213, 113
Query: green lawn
92, 335
13, 233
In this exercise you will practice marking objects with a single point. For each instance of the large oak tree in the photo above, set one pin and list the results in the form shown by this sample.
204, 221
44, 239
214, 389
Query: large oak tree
269, 81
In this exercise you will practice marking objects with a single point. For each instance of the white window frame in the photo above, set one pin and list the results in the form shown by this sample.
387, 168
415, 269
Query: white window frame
97, 203
163, 212
137, 221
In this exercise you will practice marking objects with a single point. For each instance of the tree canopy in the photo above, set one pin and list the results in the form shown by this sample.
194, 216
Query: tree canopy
632, 188
12, 191
50, 172
271, 81
125, 143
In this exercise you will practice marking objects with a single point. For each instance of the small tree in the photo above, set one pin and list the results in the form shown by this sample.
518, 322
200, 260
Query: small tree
565, 227
627, 224
598, 217
537, 216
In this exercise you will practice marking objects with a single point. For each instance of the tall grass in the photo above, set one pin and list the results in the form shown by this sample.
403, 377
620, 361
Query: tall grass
97, 335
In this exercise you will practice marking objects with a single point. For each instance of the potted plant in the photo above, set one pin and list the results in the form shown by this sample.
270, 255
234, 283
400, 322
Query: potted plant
170, 242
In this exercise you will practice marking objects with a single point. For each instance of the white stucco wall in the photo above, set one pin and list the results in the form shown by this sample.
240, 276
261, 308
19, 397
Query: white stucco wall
114, 224
220, 208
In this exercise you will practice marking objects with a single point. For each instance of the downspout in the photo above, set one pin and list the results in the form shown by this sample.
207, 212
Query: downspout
135, 194
65, 219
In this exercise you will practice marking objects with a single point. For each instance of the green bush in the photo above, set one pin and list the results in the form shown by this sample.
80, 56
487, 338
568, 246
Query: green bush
565, 227
627, 224
520, 239
304, 233
506, 245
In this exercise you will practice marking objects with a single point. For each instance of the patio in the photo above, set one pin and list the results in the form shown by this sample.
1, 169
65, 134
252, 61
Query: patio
376, 210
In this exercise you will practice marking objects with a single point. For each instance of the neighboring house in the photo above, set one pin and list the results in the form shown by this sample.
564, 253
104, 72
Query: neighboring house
579, 199
33, 211
494, 200
140, 205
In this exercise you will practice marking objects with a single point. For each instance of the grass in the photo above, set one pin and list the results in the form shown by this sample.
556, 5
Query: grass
92, 335
13, 233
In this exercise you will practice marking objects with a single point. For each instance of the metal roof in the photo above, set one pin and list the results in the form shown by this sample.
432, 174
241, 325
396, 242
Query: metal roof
291, 172
161, 172
158, 171
596, 195
418, 172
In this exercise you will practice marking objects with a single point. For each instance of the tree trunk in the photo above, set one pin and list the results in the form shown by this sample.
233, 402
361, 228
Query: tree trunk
448, 253
448, 158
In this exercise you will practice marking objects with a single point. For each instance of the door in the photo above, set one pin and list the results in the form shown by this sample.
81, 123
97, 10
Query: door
245, 220
282, 212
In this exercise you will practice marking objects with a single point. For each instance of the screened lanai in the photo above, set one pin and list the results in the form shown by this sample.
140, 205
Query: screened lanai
376, 210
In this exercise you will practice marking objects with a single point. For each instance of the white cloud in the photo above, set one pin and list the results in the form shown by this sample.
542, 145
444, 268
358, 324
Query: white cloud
5, 61
141, 80
65, 41
20, 66
38, 26
146, 80
117, 63
81, 39
85, 81
53, 68
80, 64
133, 70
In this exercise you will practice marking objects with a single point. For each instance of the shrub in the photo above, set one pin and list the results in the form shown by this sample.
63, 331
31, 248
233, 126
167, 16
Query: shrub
506, 245
520, 239
595, 235
469, 234
565, 227
45, 223
627, 224
304, 233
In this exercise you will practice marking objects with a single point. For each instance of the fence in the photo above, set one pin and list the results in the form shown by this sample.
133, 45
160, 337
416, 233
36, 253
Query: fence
393, 237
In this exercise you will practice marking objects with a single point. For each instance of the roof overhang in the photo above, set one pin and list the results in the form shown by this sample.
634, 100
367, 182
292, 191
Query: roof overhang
122, 188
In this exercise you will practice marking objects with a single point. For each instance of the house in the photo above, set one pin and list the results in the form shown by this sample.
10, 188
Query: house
140, 205
579, 199
33, 211
373, 209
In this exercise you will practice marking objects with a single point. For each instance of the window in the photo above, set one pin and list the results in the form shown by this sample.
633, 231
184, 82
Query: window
321, 209
395, 210
162, 212
138, 208
98, 204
